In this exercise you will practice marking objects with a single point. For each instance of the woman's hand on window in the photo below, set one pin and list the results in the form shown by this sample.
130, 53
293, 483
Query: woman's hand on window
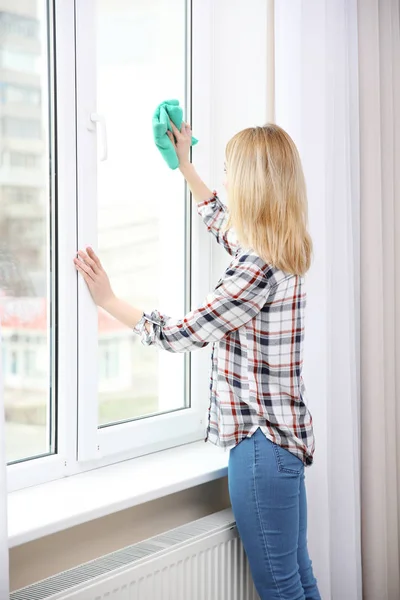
182, 140
89, 266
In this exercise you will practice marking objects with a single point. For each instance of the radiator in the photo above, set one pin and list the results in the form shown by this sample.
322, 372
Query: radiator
203, 560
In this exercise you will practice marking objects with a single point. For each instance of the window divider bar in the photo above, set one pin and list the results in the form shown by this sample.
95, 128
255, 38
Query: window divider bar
86, 157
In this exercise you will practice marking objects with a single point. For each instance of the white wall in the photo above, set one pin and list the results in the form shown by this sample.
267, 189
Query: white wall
240, 97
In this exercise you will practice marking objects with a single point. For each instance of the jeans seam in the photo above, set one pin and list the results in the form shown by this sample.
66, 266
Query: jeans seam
260, 522
279, 464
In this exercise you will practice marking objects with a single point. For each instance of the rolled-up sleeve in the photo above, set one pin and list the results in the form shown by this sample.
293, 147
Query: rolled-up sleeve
237, 299
215, 217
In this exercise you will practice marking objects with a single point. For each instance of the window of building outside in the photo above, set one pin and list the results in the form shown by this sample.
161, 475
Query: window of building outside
17, 25
20, 194
15, 60
15, 127
24, 159
11, 93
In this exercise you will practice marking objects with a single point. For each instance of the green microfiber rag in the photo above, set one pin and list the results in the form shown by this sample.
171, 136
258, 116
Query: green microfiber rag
166, 111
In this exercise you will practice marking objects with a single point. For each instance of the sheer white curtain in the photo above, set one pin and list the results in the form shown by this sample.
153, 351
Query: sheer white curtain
379, 66
4, 583
316, 99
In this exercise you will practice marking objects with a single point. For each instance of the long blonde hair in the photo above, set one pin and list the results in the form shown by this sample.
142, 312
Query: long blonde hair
267, 197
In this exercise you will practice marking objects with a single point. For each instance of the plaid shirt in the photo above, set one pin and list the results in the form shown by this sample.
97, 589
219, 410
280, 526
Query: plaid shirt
254, 320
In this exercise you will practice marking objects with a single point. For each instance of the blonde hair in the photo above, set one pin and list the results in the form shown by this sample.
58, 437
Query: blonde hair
267, 197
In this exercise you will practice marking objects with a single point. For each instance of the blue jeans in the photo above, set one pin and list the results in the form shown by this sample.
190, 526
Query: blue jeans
268, 496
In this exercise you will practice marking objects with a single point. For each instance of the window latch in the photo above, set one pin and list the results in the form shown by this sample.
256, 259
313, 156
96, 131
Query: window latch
100, 120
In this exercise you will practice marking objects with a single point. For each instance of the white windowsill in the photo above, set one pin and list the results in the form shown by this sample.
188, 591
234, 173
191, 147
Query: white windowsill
51, 507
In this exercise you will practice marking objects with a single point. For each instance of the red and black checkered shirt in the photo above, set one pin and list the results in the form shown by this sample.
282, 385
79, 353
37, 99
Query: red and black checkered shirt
254, 320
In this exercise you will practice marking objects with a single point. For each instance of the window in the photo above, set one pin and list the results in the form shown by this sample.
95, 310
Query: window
20, 195
19, 94
15, 60
14, 127
143, 224
81, 390
27, 248
13, 362
23, 160
30, 360
109, 359
139, 238
13, 24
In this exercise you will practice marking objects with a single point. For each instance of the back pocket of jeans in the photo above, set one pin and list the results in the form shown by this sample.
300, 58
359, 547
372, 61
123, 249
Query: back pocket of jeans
287, 462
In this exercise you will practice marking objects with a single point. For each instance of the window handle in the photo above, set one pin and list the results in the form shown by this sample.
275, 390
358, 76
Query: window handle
97, 118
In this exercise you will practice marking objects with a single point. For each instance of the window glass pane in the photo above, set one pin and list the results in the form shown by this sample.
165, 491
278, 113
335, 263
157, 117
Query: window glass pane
141, 61
25, 232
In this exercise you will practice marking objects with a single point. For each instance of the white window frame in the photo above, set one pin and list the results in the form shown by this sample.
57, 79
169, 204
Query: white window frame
80, 444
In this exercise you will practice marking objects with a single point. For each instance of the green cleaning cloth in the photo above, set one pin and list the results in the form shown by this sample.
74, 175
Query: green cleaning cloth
166, 111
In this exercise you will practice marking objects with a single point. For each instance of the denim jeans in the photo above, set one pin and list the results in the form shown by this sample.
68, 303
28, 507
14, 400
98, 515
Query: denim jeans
268, 496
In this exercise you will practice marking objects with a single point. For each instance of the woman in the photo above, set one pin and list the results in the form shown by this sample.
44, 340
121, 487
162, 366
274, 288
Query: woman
255, 321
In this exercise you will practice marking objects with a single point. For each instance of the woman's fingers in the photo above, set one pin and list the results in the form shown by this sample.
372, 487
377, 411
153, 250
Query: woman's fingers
185, 129
176, 131
171, 137
83, 266
80, 270
184, 132
94, 256
89, 261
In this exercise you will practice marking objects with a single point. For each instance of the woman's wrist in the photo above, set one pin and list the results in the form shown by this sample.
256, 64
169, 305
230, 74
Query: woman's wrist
200, 191
123, 311
109, 303
186, 167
